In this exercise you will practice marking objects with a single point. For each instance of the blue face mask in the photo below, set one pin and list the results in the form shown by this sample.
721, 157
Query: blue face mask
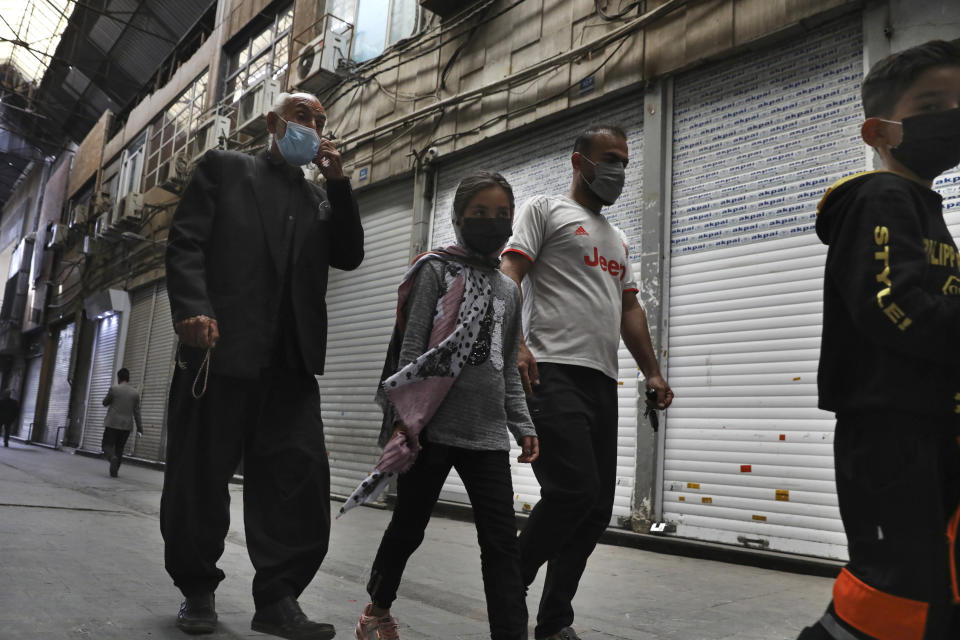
299, 144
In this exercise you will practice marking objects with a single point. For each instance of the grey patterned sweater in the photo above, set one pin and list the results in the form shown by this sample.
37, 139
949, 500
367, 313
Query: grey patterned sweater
487, 397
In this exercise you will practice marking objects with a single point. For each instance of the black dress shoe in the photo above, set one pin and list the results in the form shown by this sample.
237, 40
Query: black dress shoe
114, 466
285, 620
197, 615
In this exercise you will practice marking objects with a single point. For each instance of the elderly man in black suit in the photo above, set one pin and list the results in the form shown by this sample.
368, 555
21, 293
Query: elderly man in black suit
247, 258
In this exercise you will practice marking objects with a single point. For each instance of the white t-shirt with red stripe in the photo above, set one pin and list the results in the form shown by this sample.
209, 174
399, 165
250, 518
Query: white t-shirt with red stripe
573, 292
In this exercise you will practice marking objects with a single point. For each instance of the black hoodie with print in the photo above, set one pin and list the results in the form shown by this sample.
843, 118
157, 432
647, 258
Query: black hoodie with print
891, 301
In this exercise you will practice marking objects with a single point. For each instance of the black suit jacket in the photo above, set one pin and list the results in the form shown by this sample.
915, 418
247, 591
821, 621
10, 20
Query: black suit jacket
226, 257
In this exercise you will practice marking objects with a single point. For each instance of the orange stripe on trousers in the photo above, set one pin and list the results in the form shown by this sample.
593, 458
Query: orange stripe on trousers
881, 615
952, 527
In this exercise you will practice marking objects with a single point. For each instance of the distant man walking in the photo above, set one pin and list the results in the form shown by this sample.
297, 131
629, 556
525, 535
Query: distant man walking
9, 410
123, 402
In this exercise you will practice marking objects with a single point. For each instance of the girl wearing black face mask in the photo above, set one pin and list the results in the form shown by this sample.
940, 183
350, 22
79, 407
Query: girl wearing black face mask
450, 393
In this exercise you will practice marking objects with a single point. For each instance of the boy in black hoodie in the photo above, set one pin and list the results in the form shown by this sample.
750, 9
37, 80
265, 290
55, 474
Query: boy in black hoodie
890, 359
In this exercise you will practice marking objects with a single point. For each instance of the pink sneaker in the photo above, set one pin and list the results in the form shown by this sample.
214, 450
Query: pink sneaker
372, 628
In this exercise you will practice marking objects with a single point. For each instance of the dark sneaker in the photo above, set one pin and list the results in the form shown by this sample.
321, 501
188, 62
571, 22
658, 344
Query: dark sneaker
285, 619
197, 615
567, 633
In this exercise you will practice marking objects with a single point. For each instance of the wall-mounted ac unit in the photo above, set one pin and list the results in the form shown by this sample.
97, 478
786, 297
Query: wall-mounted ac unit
255, 103
209, 136
89, 245
79, 215
172, 171
317, 62
22, 255
128, 210
56, 235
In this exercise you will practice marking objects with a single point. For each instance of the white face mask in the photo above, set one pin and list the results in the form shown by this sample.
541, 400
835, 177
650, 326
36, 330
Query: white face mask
608, 180
299, 144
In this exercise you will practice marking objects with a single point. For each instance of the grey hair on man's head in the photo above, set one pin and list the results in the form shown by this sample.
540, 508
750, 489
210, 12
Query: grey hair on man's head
283, 100
282, 103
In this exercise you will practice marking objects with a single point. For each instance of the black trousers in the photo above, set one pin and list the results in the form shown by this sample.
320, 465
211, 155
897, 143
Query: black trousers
114, 442
486, 476
6, 427
575, 412
274, 424
898, 485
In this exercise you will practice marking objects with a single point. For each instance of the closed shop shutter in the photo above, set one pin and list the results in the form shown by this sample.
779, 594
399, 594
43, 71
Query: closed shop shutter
58, 407
28, 398
948, 185
361, 309
756, 141
155, 385
135, 351
81, 380
538, 162
102, 375
149, 357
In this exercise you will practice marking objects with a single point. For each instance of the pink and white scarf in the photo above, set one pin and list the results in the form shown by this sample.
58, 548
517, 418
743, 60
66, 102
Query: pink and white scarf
416, 391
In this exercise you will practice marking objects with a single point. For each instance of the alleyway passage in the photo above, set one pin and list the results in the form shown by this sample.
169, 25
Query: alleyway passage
81, 558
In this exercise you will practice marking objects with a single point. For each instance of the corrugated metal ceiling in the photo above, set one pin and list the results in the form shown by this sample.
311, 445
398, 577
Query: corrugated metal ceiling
108, 52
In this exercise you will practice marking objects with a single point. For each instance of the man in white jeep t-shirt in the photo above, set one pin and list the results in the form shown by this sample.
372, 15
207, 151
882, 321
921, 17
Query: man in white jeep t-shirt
579, 298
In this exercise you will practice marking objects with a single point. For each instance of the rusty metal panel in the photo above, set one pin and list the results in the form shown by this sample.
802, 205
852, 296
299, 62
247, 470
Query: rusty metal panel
86, 161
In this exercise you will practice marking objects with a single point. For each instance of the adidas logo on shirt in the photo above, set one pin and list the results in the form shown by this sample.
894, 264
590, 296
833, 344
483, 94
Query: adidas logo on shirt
580, 231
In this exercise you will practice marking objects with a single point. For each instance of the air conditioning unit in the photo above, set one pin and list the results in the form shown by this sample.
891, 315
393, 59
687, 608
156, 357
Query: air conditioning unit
79, 215
255, 103
209, 136
20, 260
89, 245
317, 62
56, 235
172, 172
128, 210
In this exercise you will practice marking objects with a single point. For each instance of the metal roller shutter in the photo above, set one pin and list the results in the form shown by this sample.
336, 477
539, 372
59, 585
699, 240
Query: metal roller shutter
58, 407
748, 456
151, 341
361, 309
538, 162
949, 187
155, 383
28, 400
135, 351
102, 374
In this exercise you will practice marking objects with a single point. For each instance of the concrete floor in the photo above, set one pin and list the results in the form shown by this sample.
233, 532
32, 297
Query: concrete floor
81, 557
